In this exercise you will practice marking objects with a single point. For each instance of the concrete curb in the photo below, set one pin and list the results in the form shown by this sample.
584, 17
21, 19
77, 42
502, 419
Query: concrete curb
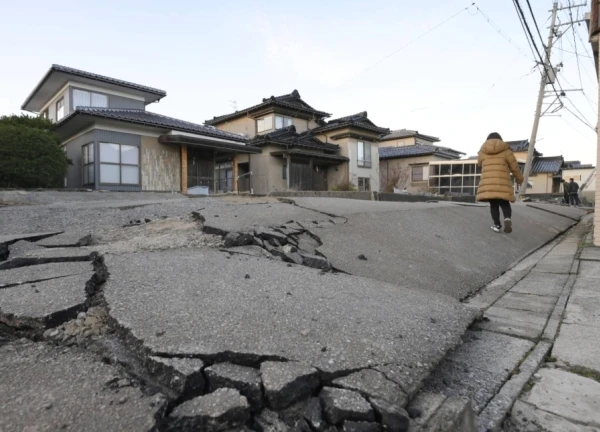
555, 319
492, 417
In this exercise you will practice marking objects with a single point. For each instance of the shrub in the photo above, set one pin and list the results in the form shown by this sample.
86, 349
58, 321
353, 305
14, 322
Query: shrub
344, 186
30, 153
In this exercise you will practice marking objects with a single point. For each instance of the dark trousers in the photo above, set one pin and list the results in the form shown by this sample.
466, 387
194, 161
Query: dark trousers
495, 205
575, 198
567, 199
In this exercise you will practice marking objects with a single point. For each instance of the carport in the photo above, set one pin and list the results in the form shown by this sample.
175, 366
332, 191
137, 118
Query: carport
205, 161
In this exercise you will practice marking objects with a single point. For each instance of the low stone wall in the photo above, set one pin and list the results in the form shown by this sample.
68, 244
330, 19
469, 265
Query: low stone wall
423, 198
366, 196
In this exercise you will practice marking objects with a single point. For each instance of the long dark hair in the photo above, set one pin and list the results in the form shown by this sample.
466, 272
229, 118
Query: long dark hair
494, 135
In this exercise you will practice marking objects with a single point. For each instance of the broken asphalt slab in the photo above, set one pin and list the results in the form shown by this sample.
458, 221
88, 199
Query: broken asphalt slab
43, 304
67, 239
68, 390
429, 246
45, 256
41, 272
12, 238
335, 323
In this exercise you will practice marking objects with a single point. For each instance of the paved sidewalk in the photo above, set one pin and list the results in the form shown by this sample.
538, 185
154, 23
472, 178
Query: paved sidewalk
564, 395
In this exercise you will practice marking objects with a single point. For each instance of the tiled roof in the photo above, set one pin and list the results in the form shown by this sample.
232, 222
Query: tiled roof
146, 118
290, 138
405, 133
576, 165
551, 164
290, 101
103, 78
359, 120
417, 150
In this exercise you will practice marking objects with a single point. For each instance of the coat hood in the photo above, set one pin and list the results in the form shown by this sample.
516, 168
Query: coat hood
494, 146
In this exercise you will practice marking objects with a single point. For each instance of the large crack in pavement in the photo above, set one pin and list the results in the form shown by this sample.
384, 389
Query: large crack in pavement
250, 386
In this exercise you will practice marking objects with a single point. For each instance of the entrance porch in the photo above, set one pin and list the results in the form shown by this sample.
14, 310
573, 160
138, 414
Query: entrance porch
210, 163
307, 171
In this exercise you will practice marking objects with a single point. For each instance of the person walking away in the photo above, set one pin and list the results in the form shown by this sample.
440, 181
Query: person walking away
497, 161
566, 196
574, 192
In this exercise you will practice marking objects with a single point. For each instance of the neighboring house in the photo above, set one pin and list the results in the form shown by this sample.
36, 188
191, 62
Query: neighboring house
581, 173
116, 144
406, 137
407, 167
294, 161
358, 139
545, 175
300, 150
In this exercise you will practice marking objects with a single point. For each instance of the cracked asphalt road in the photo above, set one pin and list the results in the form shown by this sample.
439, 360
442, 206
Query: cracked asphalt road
170, 292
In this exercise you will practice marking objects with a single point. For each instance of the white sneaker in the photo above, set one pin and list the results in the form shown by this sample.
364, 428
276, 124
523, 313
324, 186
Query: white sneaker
496, 228
507, 226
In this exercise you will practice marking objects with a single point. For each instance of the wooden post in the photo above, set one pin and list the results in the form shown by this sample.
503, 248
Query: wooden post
235, 173
287, 168
184, 169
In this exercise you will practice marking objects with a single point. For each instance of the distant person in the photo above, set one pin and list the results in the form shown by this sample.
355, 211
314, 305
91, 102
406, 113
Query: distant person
497, 161
574, 192
566, 196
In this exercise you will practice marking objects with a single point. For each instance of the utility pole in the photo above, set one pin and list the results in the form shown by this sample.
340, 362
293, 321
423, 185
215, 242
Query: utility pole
540, 101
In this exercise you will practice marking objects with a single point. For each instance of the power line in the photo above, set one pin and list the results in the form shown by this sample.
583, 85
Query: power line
504, 35
575, 43
579, 118
530, 40
536, 24
408, 44
574, 128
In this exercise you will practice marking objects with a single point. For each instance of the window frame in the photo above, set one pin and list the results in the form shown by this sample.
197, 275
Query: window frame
267, 122
90, 98
366, 184
284, 120
363, 162
120, 164
413, 178
87, 162
60, 110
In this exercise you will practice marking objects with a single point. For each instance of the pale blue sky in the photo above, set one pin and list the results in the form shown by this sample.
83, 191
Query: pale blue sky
459, 82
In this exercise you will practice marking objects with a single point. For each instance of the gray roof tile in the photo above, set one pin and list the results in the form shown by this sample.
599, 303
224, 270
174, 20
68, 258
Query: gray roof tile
359, 120
290, 101
290, 138
417, 150
106, 79
551, 164
405, 133
146, 118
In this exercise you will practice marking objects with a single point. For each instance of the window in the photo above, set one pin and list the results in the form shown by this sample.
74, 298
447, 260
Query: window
281, 122
60, 109
119, 164
264, 124
88, 163
364, 184
89, 99
284, 175
364, 154
417, 174
44, 114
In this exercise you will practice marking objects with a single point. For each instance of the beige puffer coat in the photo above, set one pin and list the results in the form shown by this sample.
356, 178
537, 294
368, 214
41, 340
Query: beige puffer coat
497, 162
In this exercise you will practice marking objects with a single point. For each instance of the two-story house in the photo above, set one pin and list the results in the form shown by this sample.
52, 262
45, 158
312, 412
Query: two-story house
300, 149
406, 157
116, 144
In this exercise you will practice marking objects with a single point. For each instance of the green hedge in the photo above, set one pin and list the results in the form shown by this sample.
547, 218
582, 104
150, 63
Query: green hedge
30, 153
